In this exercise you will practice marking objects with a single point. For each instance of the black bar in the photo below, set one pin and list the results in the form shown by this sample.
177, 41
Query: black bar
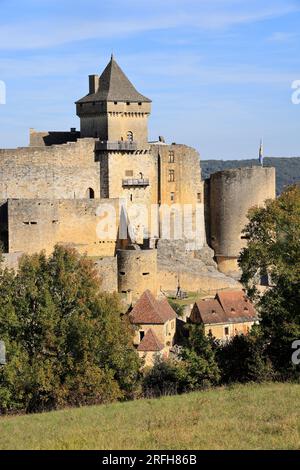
137, 459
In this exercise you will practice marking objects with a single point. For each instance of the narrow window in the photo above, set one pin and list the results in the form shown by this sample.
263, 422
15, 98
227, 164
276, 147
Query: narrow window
90, 194
172, 197
199, 197
142, 334
171, 156
226, 331
130, 136
171, 176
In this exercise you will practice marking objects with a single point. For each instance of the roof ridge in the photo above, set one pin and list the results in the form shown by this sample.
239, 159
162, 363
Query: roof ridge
155, 304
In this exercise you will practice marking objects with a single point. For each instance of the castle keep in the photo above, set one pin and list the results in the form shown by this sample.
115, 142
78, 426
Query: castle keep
65, 185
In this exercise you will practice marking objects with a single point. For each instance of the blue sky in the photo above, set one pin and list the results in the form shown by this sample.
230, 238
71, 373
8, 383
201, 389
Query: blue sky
219, 72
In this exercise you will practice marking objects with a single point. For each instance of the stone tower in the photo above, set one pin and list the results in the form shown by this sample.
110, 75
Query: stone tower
231, 194
113, 110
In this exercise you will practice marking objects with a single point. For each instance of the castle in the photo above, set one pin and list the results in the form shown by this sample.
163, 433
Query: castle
107, 191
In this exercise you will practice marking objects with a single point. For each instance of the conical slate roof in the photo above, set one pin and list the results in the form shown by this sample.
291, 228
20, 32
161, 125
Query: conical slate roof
114, 86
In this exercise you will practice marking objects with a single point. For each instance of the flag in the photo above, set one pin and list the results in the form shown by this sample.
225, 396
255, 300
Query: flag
261, 153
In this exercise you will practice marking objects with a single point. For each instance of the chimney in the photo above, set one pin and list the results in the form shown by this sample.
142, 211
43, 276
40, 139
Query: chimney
94, 83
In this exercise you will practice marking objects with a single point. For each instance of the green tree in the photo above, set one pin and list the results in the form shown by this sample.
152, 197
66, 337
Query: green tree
273, 248
199, 358
194, 369
244, 359
67, 344
167, 377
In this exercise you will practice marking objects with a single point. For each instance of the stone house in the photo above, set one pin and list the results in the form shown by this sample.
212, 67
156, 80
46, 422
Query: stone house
228, 314
155, 323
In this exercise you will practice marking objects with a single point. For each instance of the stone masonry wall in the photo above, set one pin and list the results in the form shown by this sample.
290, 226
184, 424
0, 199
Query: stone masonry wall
40, 224
58, 172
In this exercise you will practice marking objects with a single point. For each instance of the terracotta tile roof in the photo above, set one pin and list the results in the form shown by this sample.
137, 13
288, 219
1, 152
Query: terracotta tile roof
208, 311
150, 342
166, 310
148, 310
237, 306
227, 307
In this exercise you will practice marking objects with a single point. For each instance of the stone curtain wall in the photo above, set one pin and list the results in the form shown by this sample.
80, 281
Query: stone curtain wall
57, 172
36, 225
108, 273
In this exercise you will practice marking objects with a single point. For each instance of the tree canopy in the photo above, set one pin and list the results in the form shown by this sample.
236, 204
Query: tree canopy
66, 343
273, 249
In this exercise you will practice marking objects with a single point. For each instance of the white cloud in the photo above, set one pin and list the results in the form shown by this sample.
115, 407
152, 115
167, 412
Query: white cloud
283, 36
42, 33
183, 67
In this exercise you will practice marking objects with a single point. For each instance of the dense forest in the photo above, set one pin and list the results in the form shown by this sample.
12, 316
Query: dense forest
287, 169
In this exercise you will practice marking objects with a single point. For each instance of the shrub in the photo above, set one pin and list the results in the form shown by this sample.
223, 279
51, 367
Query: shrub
66, 343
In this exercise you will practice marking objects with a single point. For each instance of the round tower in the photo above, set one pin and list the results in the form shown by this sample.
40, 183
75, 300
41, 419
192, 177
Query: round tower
232, 194
137, 271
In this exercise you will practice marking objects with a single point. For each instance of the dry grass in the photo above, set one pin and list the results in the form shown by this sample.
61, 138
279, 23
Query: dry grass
240, 417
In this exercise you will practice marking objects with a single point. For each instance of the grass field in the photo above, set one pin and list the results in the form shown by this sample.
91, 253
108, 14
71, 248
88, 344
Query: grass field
239, 417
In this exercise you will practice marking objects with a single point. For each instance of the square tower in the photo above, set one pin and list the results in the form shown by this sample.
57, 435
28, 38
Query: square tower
114, 111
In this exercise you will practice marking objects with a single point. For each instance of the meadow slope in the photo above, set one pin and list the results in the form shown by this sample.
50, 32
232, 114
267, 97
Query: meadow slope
239, 417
